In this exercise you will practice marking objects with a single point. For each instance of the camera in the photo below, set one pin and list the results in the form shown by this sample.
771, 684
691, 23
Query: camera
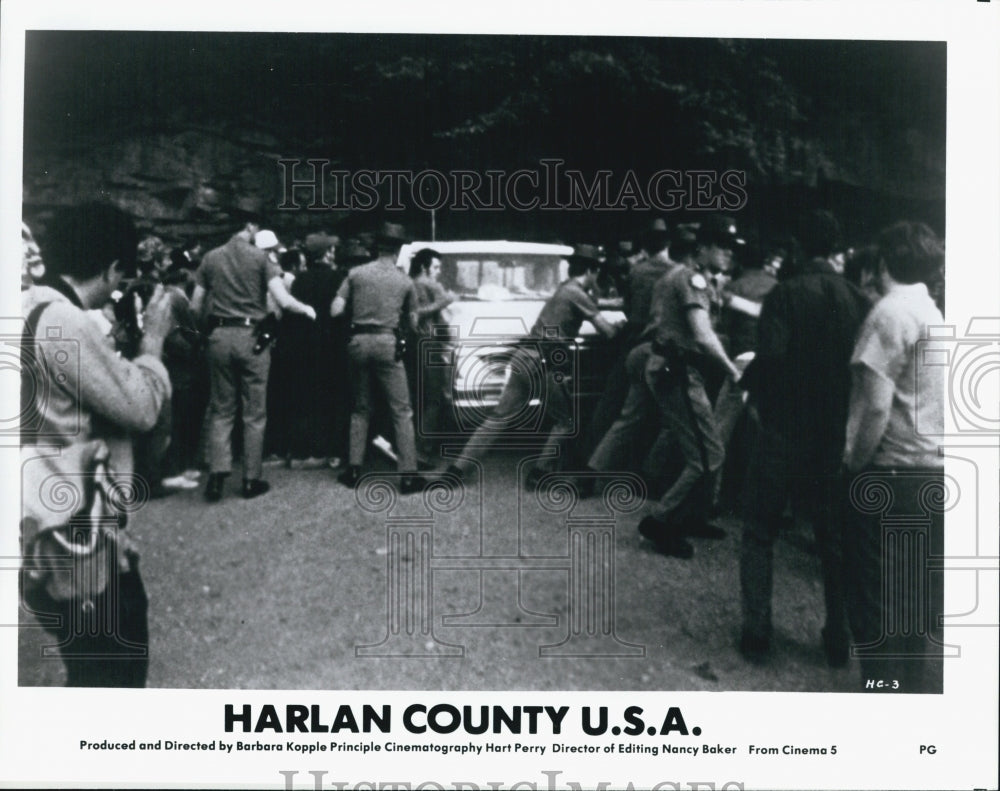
128, 306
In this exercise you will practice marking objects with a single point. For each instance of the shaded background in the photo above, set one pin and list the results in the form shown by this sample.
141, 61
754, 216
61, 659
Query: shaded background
185, 129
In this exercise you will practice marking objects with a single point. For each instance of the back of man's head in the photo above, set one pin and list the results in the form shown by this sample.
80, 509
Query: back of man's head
820, 234
911, 251
83, 241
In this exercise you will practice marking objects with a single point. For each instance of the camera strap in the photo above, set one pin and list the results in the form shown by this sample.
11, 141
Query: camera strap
30, 367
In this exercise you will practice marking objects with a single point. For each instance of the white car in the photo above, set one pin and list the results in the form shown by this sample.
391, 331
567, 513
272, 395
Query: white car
500, 288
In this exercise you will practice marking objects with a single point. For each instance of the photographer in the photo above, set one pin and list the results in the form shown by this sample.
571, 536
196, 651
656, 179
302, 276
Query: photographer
81, 403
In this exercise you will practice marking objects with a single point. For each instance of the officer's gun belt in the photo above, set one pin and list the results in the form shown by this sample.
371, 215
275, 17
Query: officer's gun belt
231, 321
371, 329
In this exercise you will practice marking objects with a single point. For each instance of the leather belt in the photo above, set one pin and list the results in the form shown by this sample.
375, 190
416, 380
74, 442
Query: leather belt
371, 329
231, 321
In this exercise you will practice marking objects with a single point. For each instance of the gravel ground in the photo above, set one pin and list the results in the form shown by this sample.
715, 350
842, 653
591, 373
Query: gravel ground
278, 593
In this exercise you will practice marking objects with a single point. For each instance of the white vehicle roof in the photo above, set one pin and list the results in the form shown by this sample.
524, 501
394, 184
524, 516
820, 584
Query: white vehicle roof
485, 246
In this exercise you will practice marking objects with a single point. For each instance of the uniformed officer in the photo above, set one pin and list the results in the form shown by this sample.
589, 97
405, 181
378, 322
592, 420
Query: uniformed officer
231, 288
684, 345
559, 321
379, 297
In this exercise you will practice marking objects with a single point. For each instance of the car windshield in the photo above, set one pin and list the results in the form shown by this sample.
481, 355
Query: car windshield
499, 276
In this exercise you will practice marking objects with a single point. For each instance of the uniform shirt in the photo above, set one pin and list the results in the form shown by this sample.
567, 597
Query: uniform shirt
680, 290
642, 278
236, 277
377, 293
887, 345
565, 311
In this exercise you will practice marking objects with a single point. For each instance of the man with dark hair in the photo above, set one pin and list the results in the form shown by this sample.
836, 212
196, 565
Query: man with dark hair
187, 256
798, 386
381, 302
231, 289
559, 321
822, 238
896, 415
644, 274
427, 386
684, 345
85, 402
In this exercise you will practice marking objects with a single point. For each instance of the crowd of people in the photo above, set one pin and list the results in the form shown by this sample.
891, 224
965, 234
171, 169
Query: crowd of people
766, 378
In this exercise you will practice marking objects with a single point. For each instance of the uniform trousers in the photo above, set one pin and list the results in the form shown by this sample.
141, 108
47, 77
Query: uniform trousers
529, 376
777, 471
685, 410
236, 372
637, 413
372, 358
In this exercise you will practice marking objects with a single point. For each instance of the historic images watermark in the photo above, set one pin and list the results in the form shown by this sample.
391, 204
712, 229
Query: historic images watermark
319, 184
588, 565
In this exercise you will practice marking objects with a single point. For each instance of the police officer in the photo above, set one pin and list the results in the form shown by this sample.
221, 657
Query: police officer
558, 322
379, 297
231, 288
683, 348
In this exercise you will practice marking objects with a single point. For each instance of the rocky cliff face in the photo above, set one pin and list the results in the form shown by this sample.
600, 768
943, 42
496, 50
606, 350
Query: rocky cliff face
197, 182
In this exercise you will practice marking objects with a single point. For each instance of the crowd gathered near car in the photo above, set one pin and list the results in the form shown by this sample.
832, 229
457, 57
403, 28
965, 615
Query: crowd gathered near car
767, 379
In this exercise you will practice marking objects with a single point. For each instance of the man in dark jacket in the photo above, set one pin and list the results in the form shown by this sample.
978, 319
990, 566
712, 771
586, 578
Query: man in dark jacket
799, 385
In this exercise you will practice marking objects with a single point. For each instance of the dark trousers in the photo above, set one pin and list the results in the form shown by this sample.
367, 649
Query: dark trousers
187, 406
556, 426
777, 472
895, 602
106, 644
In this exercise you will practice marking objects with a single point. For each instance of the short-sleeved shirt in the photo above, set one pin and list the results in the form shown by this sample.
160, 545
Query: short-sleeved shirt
565, 312
429, 292
235, 277
888, 345
677, 292
377, 294
642, 278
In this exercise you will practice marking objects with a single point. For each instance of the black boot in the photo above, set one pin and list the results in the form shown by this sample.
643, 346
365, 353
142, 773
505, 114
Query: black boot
254, 487
350, 476
213, 489
666, 538
411, 484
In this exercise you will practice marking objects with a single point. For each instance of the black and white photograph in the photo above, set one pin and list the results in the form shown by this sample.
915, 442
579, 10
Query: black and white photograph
584, 404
